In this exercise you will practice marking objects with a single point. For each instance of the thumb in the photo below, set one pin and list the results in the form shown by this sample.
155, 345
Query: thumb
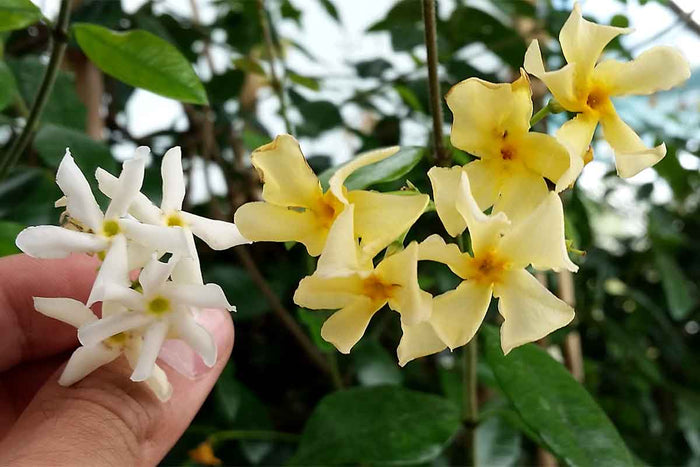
106, 419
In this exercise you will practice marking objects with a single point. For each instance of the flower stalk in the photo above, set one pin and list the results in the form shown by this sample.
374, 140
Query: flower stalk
441, 156
60, 41
470, 403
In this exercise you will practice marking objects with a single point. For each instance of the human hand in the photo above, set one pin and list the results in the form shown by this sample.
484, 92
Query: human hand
104, 419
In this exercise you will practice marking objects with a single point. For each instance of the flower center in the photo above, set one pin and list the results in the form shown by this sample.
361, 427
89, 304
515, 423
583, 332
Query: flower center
174, 220
110, 228
507, 153
596, 99
378, 290
117, 340
327, 209
488, 268
159, 306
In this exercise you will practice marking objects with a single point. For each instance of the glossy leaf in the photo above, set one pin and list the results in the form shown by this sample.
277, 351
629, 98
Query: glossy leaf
677, 288
142, 60
18, 14
8, 87
306, 81
314, 319
8, 233
554, 405
390, 169
497, 442
375, 366
377, 425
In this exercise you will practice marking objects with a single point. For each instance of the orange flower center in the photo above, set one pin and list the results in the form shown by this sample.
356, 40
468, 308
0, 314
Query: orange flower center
488, 268
377, 289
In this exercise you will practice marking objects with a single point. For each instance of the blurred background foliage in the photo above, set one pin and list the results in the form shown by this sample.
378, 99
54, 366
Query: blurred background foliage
636, 292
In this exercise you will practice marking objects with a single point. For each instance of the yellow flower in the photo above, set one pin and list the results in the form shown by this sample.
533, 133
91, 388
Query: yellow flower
295, 208
492, 122
586, 86
502, 251
348, 282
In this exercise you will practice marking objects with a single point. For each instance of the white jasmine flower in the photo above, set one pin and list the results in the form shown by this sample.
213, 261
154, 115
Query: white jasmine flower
88, 230
162, 308
219, 235
88, 358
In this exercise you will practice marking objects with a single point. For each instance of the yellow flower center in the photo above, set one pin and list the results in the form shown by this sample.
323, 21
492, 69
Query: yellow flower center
327, 209
507, 152
110, 228
102, 254
377, 289
488, 268
597, 99
117, 340
159, 306
174, 220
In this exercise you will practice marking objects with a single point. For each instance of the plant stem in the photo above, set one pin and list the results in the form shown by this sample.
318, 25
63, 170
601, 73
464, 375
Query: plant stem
60, 36
442, 157
256, 435
470, 403
543, 112
271, 56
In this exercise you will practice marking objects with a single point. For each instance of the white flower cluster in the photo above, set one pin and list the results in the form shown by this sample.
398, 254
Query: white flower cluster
144, 300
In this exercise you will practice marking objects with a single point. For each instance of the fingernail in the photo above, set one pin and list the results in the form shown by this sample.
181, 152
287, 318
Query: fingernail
180, 357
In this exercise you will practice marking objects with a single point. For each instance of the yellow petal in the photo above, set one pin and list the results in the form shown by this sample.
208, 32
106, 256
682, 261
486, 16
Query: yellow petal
483, 182
287, 178
445, 182
576, 136
582, 42
539, 238
401, 269
485, 231
340, 254
418, 340
328, 293
484, 112
263, 222
560, 82
529, 310
544, 155
457, 314
631, 154
435, 249
346, 326
367, 158
657, 69
381, 218
521, 193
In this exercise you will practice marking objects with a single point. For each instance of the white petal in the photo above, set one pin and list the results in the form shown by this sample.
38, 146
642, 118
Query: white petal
173, 180
418, 340
156, 237
97, 331
125, 296
219, 235
80, 202
139, 255
529, 310
85, 360
539, 239
159, 384
128, 184
154, 275
51, 241
200, 296
188, 271
152, 341
111, 307
484, 230
196, 337
68, 310
141, 207
113, 270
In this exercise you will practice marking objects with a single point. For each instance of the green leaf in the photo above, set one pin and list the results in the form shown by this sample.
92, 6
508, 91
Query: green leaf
8, 233
8, 87
497, 442
330, 9
375, 366
249, 65
18, 14
375, 425
370, 68
52, 140
554, 405
390, 169
27, 196
313, 320
236, 282
677, 287
306, 81
142, 60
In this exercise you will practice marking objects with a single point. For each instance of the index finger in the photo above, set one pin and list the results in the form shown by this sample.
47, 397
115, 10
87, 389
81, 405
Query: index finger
27, 334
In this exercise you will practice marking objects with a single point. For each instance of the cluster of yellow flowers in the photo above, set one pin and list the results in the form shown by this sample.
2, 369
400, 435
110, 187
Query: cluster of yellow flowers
525, 226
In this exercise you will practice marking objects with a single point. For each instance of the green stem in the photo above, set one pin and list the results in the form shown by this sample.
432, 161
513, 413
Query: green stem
470, 403
335, 371
271, 56
543, 112
60, 36
252, 435
442, 157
